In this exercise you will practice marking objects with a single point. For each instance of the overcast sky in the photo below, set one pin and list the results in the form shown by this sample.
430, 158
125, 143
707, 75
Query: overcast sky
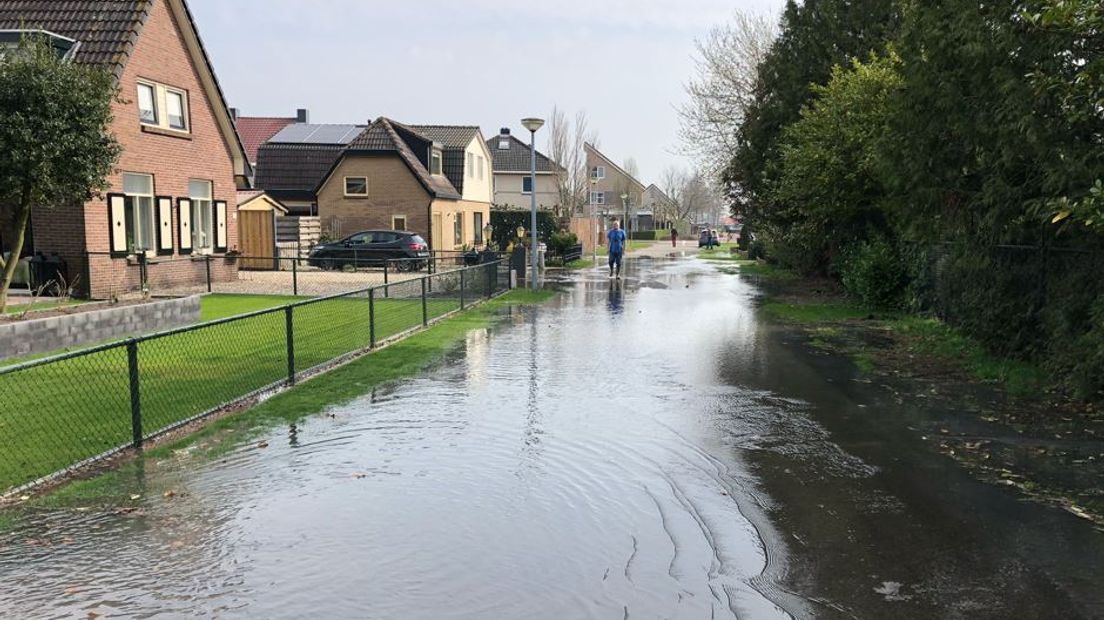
484, 62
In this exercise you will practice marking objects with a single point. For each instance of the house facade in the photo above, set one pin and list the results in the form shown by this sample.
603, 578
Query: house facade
291, 163
174, 193
608, 182
434, 180
512, 174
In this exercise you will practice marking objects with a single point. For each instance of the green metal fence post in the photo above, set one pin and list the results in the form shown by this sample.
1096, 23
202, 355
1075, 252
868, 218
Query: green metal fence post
289, 329
425, 306
372, 318
462, 288
135, 393
207, 263
295, 277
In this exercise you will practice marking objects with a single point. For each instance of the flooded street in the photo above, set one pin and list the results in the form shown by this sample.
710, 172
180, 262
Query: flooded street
645, 450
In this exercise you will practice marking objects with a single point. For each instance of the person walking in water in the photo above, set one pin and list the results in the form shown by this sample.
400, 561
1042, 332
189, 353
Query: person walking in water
616, 238
674, 237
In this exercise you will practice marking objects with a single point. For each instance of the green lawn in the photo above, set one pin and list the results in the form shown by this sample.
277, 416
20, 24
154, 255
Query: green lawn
635, 244
63, 412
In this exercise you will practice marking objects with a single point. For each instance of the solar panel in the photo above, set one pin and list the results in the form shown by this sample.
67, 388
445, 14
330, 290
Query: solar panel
303, 133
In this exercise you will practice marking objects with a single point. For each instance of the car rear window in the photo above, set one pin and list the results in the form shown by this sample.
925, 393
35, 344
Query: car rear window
417, 239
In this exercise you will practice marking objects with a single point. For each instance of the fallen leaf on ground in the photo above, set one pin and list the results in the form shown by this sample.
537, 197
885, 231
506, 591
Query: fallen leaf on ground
263, 444
169, 494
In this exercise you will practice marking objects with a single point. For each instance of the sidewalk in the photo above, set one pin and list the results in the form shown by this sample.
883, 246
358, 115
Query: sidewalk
663, 249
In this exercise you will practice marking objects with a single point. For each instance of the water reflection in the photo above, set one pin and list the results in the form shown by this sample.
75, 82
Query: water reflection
535, 477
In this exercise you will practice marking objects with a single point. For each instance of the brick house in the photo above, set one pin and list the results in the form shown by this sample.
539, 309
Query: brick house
434, 180
608, 183
291, 163
174, 192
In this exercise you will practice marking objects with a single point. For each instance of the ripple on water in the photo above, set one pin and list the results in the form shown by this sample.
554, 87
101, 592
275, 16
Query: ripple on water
522, 480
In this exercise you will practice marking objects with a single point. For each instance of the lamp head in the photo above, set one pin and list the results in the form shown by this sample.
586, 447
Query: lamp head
532, 124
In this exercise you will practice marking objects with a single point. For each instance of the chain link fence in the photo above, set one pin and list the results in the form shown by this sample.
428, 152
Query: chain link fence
64, 412
115, 277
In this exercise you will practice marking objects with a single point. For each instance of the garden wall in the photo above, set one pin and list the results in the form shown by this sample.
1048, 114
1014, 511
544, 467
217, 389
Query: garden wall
21, 338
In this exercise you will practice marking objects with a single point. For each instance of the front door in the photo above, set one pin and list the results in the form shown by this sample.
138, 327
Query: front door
437, 234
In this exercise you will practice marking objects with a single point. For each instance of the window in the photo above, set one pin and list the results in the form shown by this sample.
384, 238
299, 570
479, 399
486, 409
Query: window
471, 165
174, 108
597, 198
504, 145
458, 230
139, 212
356, 186
199, 192
360, 239
598, 172
527, 185
147, 104
435, 162
398, 222
477, 226
154, 97
481, 162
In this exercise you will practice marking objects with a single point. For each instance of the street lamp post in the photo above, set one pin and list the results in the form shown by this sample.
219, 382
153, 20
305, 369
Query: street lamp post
625, 205
593, 220
533, 124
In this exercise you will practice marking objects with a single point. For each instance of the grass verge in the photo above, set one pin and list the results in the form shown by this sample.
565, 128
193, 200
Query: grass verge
37, 306
401, 359
582, 263
66, 411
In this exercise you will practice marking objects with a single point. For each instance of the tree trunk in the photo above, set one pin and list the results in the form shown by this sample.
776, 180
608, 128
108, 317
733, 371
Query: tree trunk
22, 217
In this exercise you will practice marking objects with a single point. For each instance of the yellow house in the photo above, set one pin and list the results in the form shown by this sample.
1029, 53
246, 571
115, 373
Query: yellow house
433, 180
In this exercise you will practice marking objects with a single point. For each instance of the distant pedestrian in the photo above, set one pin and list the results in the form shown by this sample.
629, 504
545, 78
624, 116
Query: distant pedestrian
616, 238
674, 237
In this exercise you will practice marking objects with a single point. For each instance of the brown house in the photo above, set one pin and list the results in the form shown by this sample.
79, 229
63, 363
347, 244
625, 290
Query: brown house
434, 180
174, 193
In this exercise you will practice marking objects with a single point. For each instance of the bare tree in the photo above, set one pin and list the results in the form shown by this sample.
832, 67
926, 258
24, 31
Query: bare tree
565, 147
691, 196
723, 87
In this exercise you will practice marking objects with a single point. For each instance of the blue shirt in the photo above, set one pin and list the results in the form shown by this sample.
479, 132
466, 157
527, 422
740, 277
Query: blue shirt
616, 240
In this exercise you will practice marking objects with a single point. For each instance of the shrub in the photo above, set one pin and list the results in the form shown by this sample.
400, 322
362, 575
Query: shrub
561, 241
872, 271
644, 235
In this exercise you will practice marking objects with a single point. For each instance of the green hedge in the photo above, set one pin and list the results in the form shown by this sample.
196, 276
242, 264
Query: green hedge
505, 225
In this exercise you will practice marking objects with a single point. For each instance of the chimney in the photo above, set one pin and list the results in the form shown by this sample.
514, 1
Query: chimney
302, 115
234, 114
505, 131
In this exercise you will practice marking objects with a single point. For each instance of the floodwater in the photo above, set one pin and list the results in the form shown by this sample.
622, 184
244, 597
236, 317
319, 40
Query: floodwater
648, 449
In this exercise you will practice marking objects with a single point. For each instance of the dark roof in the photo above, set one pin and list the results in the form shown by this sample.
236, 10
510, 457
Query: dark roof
293, 171
516, 158
313, 133
107, 30
256, 130
387, 136
448, 136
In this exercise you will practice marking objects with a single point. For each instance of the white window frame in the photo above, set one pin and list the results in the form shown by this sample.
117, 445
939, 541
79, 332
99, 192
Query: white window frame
458, 230
482, 163
153, 101
597, 198
436, 162
524, 179
471, 166
203, 218
355, 195
142, 217
395, 219
504, 144
598, 172
161, 107
477, 226
184, 125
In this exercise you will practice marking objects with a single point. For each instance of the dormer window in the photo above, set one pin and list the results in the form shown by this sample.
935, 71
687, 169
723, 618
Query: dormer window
504, 144
65, 47
435, 162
